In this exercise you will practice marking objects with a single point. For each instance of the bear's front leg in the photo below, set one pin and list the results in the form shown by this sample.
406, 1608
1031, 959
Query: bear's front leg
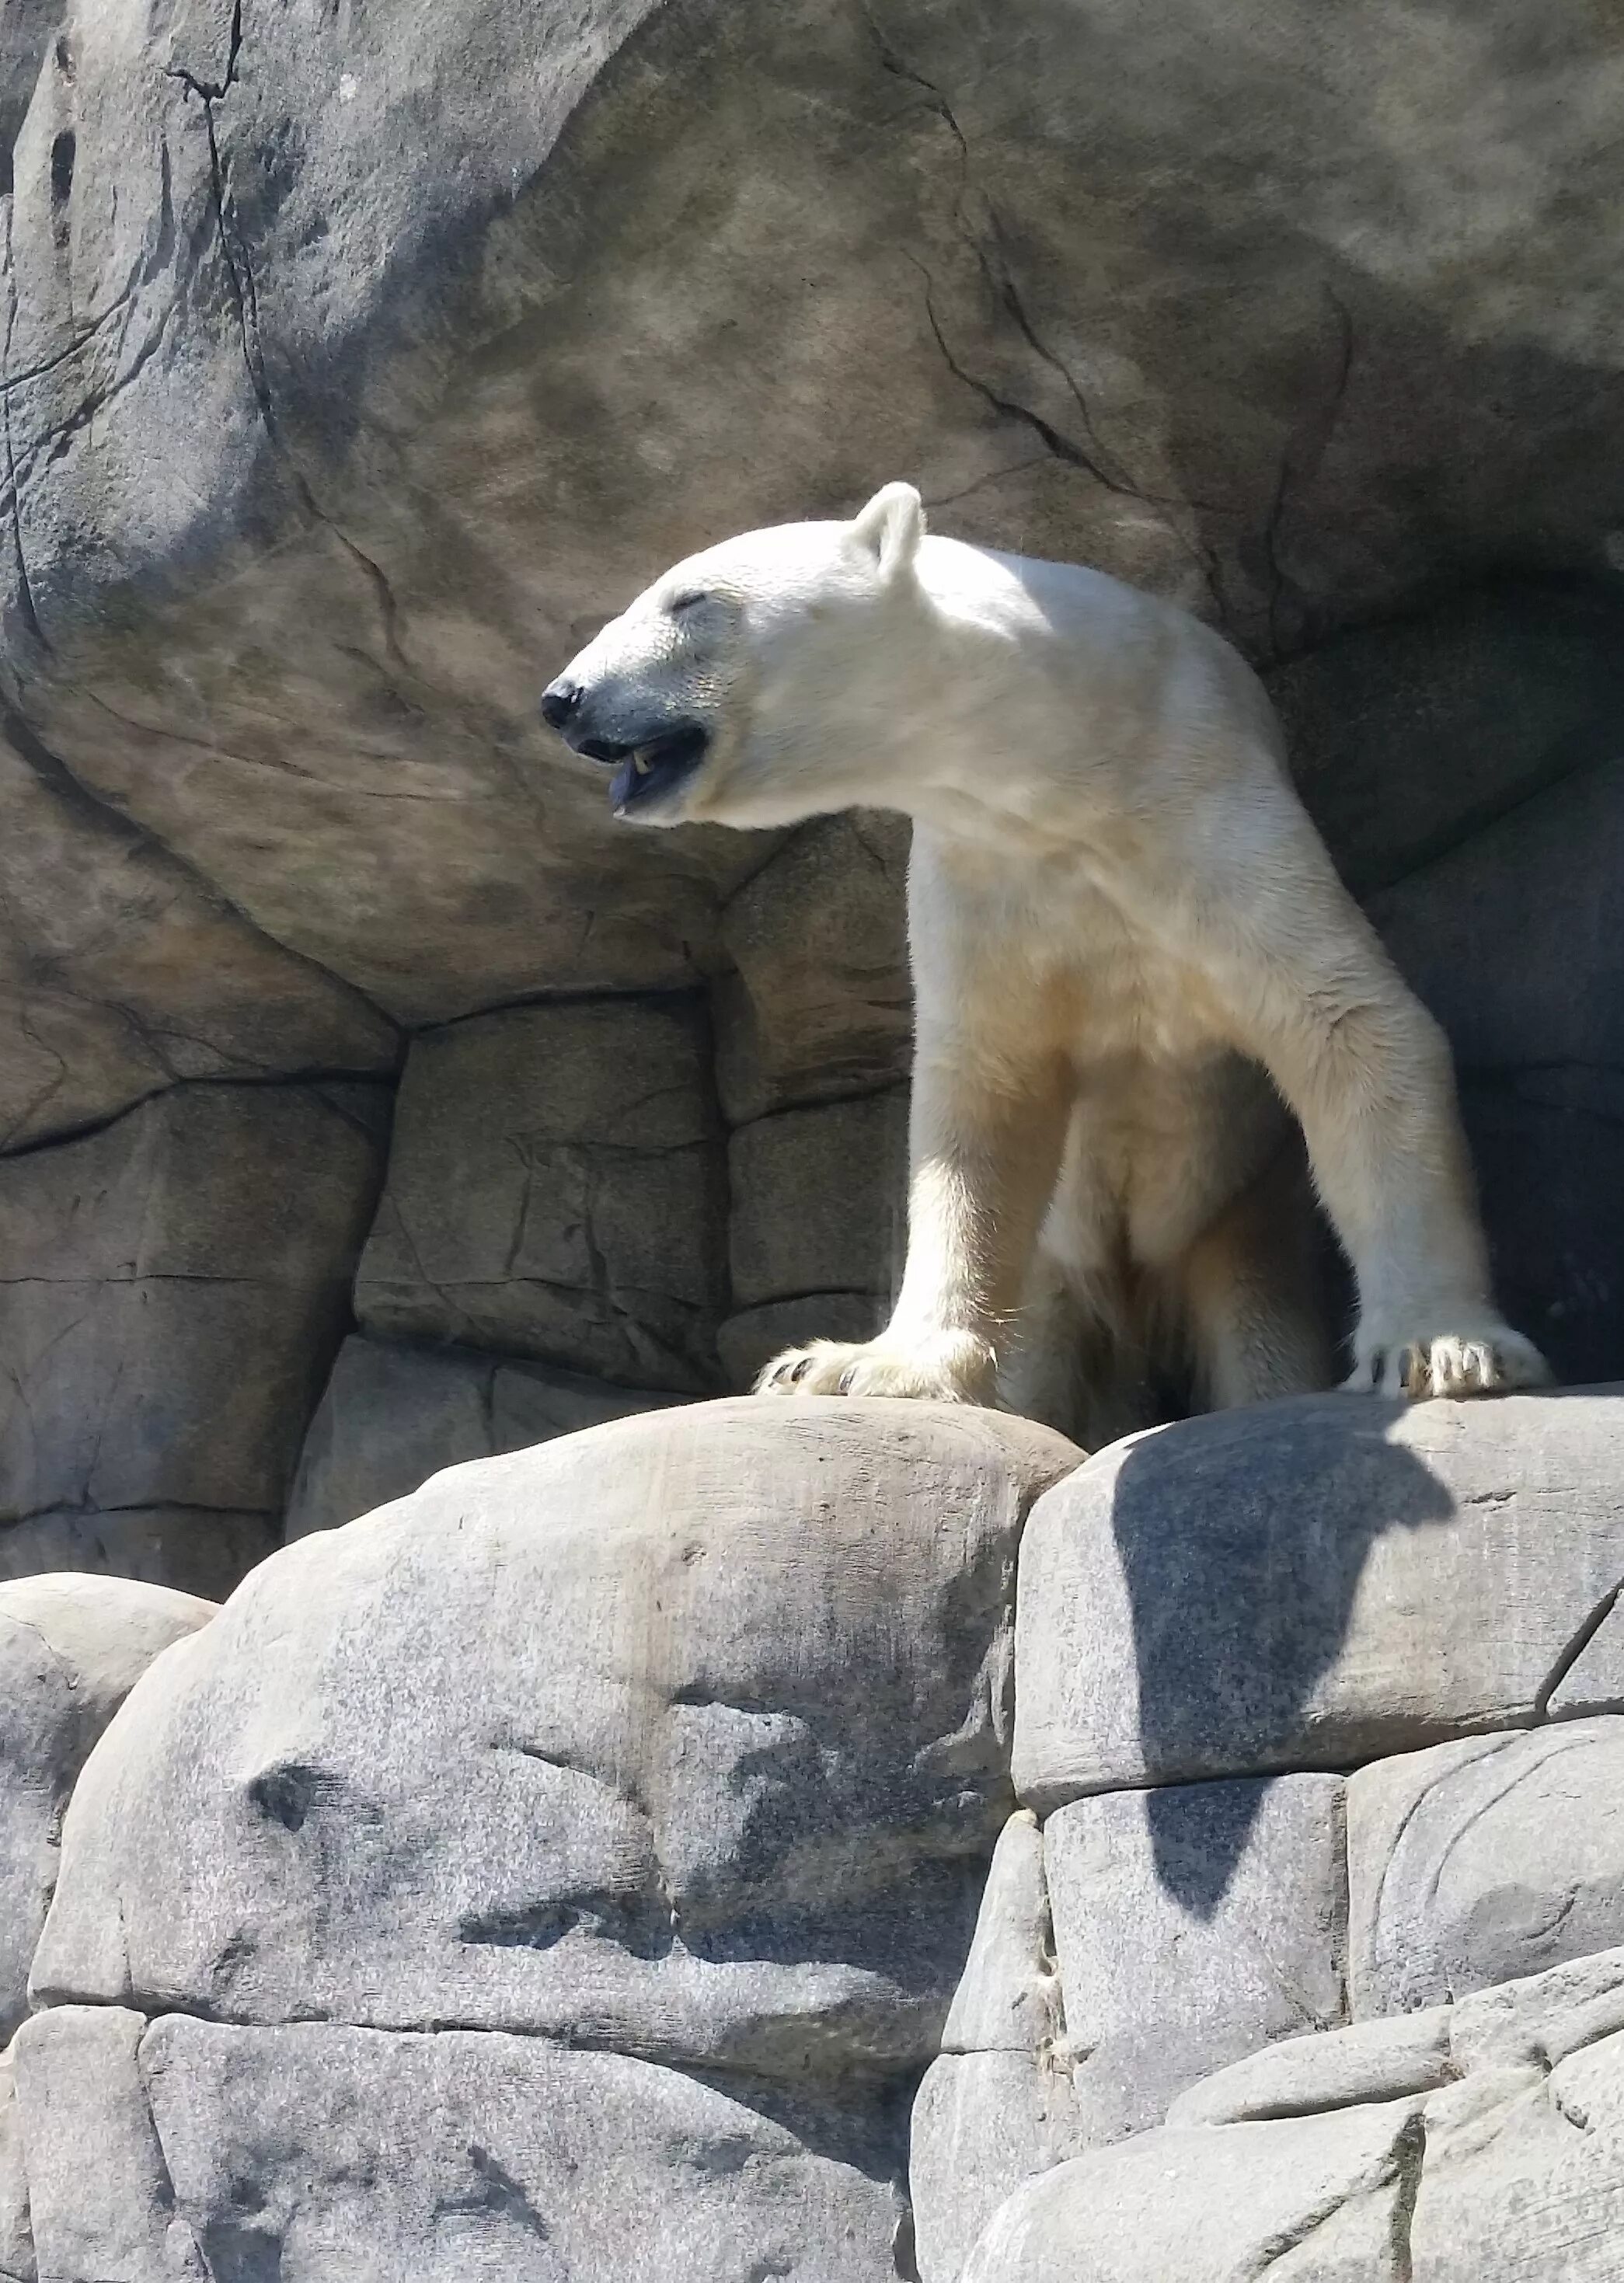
1370, 1077
984, 1142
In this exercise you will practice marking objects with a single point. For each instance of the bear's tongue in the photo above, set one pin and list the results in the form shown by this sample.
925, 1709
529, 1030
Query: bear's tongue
623, 783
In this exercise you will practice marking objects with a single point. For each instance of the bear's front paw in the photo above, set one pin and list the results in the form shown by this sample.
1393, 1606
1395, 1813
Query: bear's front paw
950, 1368
1488, 1358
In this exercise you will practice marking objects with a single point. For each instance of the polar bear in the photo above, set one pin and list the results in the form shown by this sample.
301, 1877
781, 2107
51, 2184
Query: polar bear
1131, 953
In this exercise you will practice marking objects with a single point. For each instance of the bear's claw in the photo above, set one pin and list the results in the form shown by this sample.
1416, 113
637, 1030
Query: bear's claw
1492, 1361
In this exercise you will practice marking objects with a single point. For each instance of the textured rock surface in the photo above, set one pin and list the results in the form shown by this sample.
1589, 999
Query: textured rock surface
1313, 1583
996, 2105
1191, 1925
313, 2151
820, 1201
71, 1650
819, 1004
556, 1187
1195, 2206
1477, 2143
172, 1290
390, 1417
687, 1735
1484, 1861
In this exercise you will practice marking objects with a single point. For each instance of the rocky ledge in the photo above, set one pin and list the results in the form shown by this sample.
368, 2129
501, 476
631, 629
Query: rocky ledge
692, 1848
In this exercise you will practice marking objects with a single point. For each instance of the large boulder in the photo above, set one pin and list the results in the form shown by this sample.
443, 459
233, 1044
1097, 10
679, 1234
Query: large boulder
1312, 1584
71, 1650
687, 1735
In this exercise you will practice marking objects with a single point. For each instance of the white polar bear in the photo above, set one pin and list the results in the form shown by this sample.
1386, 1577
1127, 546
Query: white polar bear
1122, 927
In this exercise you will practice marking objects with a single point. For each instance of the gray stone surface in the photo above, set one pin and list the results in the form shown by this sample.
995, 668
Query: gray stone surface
100, 2202
556, 1187
1008, 1999
820, 1200
1192, 1925
983, 2123
1309, 2198
1315, 1583
390, 1416
997, 2105
1330, 2069
1596, 1677
819, 1004
687, 1735
172, 1288
1483, 1861
1533, 2188
17, 2263
71, 1650
311, 2152
755, 1336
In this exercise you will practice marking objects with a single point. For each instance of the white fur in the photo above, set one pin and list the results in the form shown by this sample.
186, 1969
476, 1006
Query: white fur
1122, 926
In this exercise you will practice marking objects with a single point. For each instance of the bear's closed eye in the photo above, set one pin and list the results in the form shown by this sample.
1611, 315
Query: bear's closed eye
686, 602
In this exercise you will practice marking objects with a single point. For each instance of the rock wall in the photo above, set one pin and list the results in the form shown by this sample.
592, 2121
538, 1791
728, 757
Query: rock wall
859, 1842
357, 364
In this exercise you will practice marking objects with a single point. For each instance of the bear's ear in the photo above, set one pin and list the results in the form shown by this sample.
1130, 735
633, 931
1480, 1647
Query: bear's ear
889, 529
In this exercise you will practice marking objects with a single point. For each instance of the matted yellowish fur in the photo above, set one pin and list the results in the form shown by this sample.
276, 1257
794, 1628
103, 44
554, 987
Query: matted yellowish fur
1130, 954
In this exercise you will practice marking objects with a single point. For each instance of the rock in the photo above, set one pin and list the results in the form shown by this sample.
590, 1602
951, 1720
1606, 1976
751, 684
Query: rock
1535, 2022
1596, 1677
17, 2263
1008, 1999
393, 1416
983, 2123
1509, 939
1192, 1925
821, 1005
1414, 738
189, 1548
1534, 2187
685, 1735
996, 2105
1335, 2068
71, 1650
100, 2202
755, 1336
1483, 1860
172, 1290
1313, 2199
121, 971
820, 1201
464, 2154
1315, 1583
556, 1188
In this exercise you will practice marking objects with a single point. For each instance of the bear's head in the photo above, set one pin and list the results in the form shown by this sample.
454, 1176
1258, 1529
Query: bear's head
755, 683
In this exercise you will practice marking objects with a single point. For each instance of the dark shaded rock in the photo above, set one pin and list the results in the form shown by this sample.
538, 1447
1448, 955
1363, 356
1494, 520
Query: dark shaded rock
390, 1417
820, 1004
171, 1290
556, 1188
820, 1200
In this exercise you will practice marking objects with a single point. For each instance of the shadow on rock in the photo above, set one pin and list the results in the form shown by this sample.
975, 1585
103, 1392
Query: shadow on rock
1243, 1538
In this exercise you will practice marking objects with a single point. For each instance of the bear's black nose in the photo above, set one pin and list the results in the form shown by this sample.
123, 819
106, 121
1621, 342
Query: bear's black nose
560, 701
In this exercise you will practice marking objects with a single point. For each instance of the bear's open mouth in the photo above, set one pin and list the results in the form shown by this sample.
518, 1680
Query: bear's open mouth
645, 772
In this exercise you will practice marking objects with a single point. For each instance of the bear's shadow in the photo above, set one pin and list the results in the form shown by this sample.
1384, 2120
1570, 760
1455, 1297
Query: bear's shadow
1242, 1538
